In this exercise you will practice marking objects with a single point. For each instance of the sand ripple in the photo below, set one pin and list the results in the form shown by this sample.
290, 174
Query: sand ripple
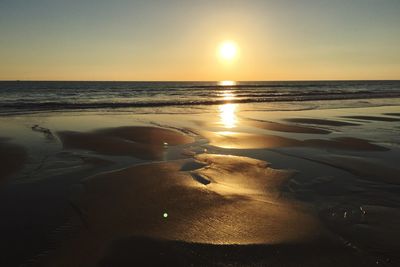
241, 204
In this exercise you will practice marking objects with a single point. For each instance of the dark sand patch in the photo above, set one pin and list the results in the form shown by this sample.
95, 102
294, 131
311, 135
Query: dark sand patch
281, 127
148, 135
95, 161
142, 251
375, 228
201, 178
247, 141
364, 168
321, 122
372, 118
344, 143
192, 165
140, 142
241, 205
12, 158
45, 131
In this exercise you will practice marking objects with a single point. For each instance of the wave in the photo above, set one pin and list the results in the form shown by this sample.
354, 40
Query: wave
59, 105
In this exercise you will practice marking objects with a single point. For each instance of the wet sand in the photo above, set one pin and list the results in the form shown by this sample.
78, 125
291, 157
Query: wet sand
372, 227
365, 168
246, 141
242, 204
141, 142
205, 205
290, 128
12, 158
321, 122
156, 252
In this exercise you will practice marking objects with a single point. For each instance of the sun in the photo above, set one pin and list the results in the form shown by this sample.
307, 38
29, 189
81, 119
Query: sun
228, 50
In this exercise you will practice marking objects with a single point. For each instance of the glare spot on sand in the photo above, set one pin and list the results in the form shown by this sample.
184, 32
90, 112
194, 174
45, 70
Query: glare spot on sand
227, 114
226, 133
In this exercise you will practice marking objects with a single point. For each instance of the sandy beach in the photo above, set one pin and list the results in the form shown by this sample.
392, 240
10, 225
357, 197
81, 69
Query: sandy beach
12, 157
179, 133
247, 187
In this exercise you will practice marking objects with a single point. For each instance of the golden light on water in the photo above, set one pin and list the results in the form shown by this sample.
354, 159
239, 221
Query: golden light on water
227, 114
228, 95
227, 83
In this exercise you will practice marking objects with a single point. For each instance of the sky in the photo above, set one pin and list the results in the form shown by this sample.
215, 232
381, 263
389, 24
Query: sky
178, 40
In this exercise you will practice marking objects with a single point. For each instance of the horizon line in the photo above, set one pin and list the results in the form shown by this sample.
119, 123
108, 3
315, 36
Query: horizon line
294, 80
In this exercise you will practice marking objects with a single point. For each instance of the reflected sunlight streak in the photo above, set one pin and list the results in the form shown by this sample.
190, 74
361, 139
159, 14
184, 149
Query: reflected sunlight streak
227, 83
227, 113
228, 95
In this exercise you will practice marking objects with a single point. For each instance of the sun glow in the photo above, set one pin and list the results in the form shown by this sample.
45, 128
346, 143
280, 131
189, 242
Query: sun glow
228, 50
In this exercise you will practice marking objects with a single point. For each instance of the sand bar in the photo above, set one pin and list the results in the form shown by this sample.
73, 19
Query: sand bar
140, 142
241, 205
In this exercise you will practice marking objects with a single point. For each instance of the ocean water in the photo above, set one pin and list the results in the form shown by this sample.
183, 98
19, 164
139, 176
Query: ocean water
27, 96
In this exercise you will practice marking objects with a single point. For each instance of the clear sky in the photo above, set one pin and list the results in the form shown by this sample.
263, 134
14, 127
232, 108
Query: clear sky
178, 40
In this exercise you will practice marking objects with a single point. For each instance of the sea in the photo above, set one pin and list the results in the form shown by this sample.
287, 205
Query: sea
37, 96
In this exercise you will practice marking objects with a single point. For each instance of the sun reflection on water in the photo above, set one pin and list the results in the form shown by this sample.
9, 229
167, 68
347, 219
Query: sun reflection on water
227, 83
227, 111
228, 95
227, 114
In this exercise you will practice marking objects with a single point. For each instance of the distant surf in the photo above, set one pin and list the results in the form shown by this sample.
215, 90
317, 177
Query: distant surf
25, 96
